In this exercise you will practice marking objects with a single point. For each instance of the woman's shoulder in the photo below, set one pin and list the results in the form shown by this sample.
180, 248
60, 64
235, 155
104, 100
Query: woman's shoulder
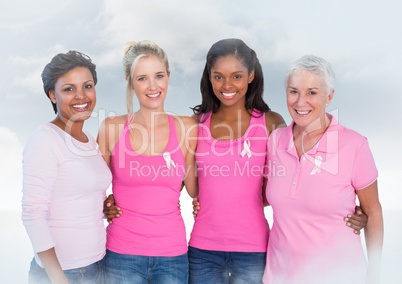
202, 117
111, 127
273, 120
45, 132
197, 117
120, 119
351, 136
45, 138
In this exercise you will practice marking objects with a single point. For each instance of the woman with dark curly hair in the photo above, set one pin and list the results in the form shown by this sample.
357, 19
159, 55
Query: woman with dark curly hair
65, 180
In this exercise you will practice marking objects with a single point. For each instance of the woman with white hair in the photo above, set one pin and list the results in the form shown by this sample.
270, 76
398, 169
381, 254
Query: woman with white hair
326, 166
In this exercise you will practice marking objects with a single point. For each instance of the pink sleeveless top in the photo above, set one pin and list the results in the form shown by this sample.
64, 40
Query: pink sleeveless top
230, 176
147, 189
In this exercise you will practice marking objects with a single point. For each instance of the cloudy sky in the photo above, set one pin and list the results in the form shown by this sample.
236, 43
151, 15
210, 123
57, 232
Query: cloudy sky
361, 39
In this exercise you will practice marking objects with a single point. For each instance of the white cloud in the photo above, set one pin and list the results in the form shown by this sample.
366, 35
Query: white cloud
184, 29
20, 14
389, 189
23, 84
109, 58
10, 168
27, 73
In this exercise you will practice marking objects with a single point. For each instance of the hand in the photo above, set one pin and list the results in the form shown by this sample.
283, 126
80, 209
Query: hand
52, 266
110, 209
196, 207
356, 221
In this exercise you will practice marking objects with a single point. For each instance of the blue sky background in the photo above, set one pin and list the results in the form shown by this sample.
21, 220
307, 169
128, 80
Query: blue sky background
361, 39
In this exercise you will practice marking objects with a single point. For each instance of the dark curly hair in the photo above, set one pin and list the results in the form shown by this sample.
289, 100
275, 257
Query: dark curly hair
60, 65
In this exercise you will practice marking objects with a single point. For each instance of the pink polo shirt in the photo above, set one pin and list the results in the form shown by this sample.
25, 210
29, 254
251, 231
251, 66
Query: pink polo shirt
309, 241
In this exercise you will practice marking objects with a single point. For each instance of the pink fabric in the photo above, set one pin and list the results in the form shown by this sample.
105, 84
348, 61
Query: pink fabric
230, 190
309, 241
148, 193
64, 186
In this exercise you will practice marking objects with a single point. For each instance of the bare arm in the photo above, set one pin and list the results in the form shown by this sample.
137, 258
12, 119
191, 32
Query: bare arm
190, 180
52, 266
273, 120
264, 195
108, 134
103, 140
374, 231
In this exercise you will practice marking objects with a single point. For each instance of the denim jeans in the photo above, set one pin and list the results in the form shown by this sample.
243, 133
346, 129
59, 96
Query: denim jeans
91, 274
220, 267
125, 268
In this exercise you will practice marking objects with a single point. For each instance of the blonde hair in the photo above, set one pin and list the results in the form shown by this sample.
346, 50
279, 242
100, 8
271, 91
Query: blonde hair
133, 52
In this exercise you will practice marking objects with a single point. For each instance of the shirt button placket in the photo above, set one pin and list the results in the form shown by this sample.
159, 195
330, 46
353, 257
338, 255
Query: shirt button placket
296, 178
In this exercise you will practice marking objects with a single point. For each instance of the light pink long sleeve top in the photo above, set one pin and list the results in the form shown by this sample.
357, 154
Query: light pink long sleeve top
64, 185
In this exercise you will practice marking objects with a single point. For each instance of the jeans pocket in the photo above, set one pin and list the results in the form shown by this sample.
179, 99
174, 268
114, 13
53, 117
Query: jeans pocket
74, 276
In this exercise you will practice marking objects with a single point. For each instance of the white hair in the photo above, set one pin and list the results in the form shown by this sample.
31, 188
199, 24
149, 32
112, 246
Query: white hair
315, 65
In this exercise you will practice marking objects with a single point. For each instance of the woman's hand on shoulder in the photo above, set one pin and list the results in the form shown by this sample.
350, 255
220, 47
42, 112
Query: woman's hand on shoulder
273, 120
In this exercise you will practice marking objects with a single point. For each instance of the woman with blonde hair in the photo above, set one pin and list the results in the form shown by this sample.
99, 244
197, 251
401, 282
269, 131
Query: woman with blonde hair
150, 154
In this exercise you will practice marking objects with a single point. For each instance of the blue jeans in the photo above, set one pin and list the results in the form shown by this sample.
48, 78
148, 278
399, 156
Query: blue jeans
220, 267
91, 274
125, 268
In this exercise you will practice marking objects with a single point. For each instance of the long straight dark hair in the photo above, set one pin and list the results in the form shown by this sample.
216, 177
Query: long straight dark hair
248, 57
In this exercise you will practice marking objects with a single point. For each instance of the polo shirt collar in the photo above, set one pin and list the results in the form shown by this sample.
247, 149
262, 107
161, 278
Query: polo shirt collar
328, 143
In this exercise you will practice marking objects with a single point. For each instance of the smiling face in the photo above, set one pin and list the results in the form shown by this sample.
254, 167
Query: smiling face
230, 79
307, 97
150, 80
74, 95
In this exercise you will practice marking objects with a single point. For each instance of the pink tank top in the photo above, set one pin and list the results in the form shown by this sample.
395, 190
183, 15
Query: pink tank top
230, 176
147, 189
